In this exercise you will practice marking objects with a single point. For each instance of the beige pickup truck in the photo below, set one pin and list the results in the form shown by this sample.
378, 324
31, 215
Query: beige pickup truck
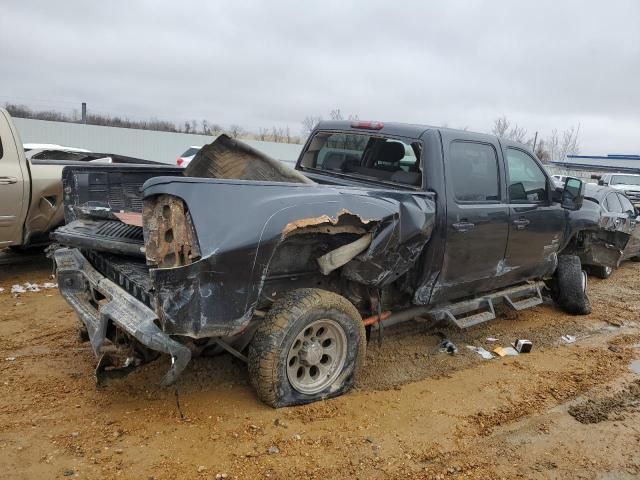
30, 195
31, 188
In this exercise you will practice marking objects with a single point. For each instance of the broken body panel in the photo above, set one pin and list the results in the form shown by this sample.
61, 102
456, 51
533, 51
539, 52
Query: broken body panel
604, 237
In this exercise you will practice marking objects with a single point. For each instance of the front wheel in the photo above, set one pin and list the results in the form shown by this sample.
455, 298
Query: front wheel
310, 346
569, 286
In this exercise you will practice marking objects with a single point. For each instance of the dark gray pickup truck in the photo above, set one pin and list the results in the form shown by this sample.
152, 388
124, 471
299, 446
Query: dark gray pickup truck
287, 269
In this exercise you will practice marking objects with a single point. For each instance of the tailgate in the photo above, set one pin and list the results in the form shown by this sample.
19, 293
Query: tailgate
99, 191
97, 198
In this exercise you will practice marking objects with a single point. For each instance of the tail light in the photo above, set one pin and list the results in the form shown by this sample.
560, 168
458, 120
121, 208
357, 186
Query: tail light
179, 161
368, 125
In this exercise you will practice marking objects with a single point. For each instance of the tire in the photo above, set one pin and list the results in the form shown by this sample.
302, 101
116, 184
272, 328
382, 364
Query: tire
601, 271
287, 369
635, 259
569, 286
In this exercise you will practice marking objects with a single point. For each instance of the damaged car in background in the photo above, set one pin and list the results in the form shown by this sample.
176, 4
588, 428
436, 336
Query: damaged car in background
287, 269
610, 232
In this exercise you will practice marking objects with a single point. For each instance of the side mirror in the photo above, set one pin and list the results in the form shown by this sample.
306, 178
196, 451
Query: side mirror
600, 182
573, 194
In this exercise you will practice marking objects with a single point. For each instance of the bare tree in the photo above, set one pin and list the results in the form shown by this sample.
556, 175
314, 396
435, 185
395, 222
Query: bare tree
553, 145
215, 128
570, 144
287, 134
276, 134
235, 131
263, 133
336, 114
542, 152
309, 123
517, 134
500, 126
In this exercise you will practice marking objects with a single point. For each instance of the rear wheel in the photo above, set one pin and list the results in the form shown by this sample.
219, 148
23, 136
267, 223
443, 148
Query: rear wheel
569, 286
310, 346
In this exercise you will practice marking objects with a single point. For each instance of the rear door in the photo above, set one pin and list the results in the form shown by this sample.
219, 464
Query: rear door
536, 224
14, 188
477, 216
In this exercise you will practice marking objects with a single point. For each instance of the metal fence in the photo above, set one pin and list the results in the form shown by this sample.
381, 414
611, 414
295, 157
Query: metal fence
150, 145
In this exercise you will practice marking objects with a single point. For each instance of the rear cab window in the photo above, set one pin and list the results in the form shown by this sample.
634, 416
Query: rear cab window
370, 157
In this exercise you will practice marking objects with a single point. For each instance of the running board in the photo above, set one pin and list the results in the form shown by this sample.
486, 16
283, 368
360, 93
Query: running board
468, 313
532, 301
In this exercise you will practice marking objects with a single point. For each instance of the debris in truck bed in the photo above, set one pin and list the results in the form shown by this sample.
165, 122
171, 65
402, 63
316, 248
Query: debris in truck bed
230, 158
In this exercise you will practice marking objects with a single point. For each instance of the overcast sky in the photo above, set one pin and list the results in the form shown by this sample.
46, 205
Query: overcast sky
542, 64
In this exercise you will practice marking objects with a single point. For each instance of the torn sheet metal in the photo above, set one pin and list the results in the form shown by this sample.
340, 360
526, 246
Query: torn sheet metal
227, 157
599, 237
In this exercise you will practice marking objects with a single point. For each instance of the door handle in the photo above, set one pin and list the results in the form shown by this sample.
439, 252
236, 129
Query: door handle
8, 180
463, 226
521, 223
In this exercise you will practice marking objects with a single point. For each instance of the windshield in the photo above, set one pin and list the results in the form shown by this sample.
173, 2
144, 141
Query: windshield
625, 180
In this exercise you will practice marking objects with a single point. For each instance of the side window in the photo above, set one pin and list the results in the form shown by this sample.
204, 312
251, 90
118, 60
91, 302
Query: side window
527, 183
613, 204
474, 171
627, 207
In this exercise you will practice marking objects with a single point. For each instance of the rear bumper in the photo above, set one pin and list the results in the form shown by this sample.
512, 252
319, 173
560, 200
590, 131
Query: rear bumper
81, 285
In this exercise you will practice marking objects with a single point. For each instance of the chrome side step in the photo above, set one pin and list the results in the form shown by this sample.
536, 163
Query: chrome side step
468, 313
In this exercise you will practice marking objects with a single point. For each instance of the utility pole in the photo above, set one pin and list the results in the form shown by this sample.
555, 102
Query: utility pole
84, 112
535, 140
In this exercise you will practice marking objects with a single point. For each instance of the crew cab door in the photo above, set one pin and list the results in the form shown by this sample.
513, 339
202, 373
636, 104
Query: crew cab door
477, 216
14, 189
536, 224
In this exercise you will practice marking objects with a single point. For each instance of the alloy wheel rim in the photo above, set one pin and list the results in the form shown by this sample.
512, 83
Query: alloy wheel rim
317, 356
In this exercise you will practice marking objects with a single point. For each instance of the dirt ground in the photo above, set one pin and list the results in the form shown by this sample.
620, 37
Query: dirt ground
561, 411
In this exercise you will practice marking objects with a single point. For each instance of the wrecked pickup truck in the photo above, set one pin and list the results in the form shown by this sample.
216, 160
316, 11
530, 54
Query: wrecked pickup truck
287, 269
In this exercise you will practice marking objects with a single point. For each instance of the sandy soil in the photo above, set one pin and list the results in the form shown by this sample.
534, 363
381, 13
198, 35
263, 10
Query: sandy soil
562, 411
